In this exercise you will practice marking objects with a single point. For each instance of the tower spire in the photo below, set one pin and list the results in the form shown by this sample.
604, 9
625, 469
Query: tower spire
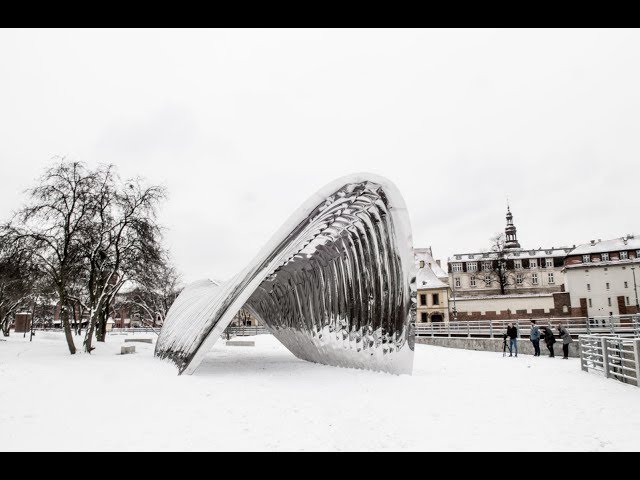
510, 236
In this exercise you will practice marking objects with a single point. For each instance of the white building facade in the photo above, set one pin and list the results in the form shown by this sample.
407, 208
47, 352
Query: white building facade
602, 277
433, 292
509, 281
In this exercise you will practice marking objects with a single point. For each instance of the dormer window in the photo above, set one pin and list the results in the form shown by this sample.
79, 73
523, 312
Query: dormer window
470, 256
605, 257
623, 255
421, 263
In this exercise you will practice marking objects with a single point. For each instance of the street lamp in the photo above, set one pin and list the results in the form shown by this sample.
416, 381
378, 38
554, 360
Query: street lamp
635, 288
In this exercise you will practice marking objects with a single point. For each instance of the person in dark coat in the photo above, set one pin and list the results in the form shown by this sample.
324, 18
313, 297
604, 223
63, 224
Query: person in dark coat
534, 336
566, 340
549, 339
512, 333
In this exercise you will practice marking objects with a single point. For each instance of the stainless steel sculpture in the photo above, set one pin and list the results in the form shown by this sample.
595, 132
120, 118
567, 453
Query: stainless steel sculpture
335, 285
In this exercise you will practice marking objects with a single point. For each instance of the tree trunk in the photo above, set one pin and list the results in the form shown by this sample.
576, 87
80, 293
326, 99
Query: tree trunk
64, 316
6, 325
101, 323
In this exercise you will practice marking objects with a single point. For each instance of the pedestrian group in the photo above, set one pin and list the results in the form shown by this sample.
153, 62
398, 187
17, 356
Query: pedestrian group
535, 334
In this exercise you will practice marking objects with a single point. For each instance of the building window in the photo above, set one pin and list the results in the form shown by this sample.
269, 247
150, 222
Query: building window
487, 280
626, 284
472, 266
637, 253
519, 278
607, 284
534, 278
586, 258
605, 257
421, 263
628, 301
517, 264
470, 256
457, 282
609, 301
423, 317
456, 267
423, 300
588, 287
436, 299
472, 281
548, 262
533, 263
486, 266
550, 278
623, 255
590, 305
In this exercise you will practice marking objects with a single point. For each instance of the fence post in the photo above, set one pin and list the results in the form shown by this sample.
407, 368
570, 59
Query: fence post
468, 330
518, 328
605, 357
636, 359
583, 364
587, 323
490, 329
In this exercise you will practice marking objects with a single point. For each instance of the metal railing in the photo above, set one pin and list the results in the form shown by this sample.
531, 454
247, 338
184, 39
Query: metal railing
623, 325
246, 330
615, 357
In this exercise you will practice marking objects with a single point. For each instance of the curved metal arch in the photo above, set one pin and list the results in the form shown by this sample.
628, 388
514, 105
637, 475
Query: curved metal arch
335, 285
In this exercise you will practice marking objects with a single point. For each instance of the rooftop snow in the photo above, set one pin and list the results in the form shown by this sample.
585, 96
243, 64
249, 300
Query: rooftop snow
613, 245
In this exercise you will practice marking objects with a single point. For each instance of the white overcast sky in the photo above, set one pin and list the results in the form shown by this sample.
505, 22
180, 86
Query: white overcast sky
242, 126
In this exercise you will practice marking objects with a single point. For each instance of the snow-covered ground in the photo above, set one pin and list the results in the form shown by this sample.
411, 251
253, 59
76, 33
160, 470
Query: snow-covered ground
263, 398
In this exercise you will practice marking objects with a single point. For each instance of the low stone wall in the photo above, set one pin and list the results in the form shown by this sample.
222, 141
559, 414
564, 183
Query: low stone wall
495, 345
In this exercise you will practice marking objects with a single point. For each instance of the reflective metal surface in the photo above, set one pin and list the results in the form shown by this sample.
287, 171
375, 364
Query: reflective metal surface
335, 285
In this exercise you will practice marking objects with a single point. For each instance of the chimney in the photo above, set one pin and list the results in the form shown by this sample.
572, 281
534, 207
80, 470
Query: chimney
593, 242
599, 240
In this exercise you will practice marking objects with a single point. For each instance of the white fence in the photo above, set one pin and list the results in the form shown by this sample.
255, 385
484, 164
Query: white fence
623, 325
615, 357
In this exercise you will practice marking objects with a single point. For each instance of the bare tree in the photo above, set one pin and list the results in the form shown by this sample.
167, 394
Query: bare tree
124, 237
87, 233
157, 285
53, 226
499, 271
17, 279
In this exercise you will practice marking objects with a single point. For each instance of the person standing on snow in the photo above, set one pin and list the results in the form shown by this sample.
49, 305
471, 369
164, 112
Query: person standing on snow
534, 336
549, 339
566, 340
512, 333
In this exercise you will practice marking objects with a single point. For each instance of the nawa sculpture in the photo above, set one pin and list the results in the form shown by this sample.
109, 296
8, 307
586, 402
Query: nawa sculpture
335, 285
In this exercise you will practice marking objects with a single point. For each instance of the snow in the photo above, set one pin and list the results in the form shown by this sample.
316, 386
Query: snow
613, 245
263, 398
426, 278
